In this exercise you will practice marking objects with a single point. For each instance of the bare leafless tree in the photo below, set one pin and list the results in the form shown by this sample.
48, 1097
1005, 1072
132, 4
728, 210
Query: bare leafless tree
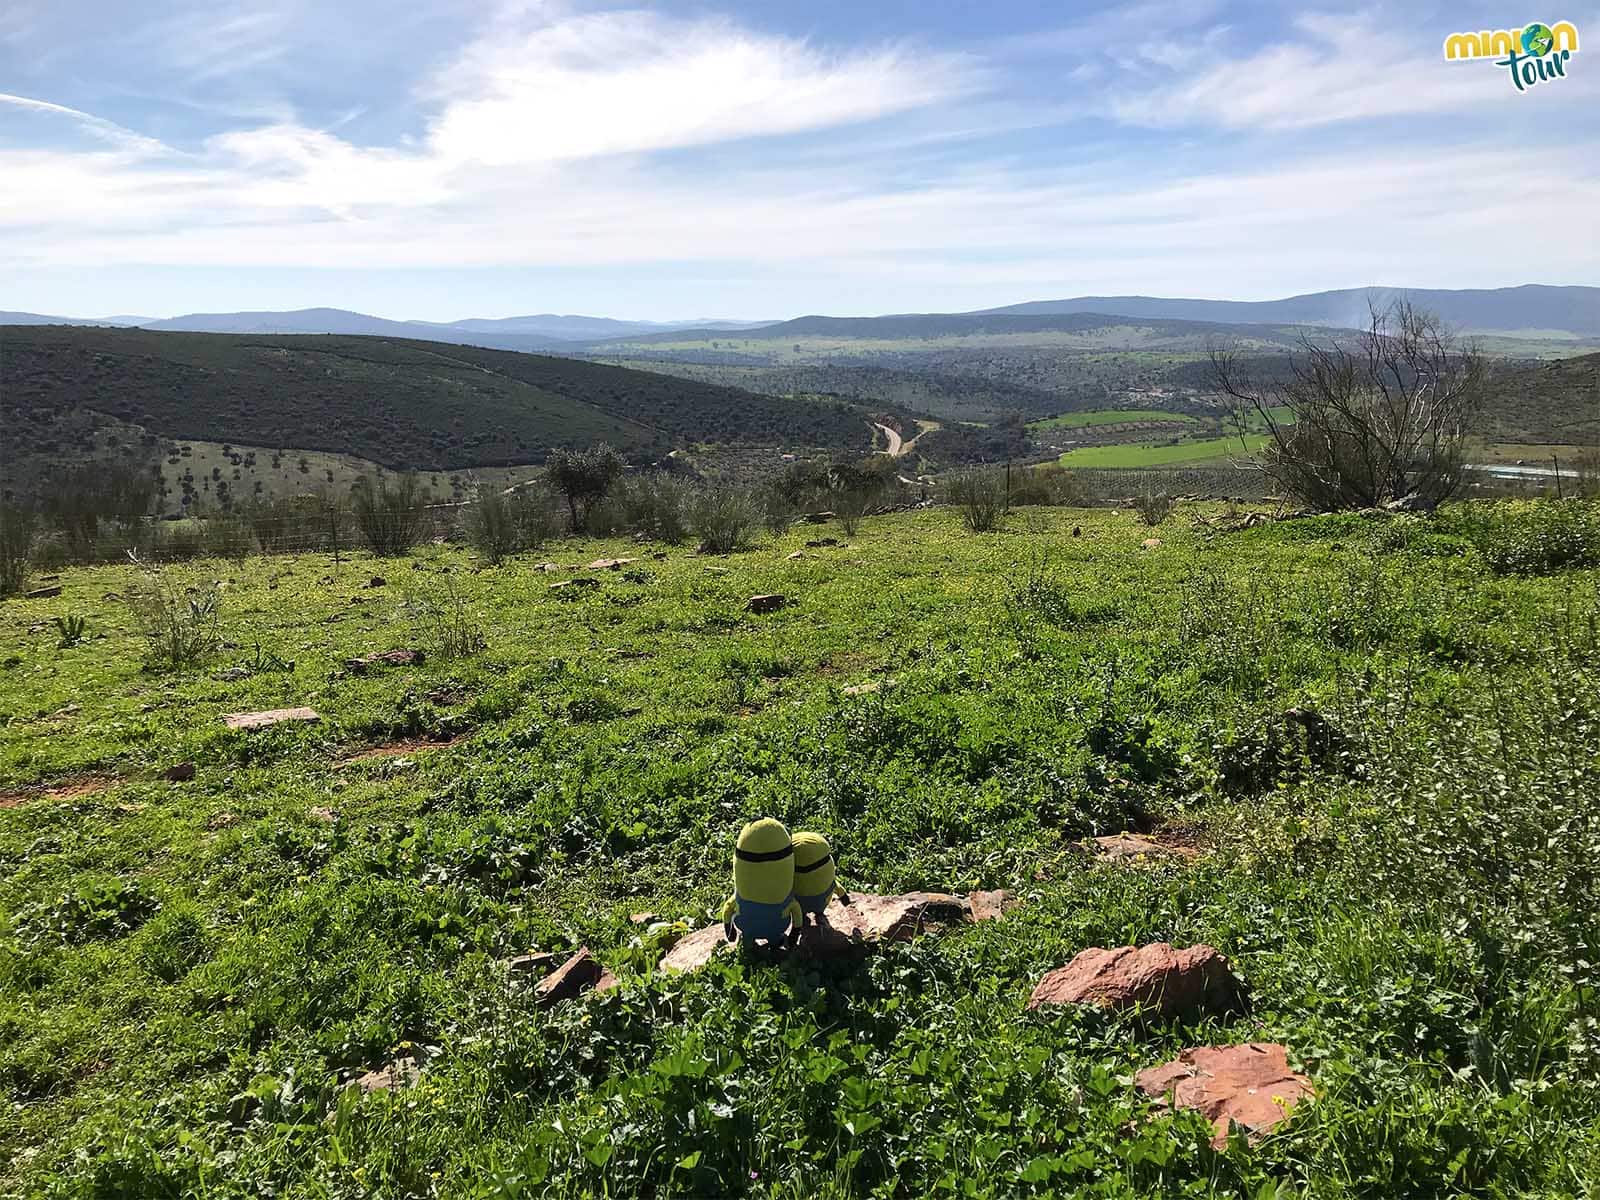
1378, 416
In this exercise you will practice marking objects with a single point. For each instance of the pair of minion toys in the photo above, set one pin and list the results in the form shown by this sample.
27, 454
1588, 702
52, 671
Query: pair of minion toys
778, 882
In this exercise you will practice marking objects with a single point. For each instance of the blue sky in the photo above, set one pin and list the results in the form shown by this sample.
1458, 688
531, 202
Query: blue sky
445, 158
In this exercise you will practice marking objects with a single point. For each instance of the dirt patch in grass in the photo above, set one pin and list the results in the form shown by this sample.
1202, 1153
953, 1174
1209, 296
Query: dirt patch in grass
394, 750
73, 788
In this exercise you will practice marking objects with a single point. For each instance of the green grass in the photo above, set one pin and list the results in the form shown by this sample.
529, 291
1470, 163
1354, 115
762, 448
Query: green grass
1110, 416
1143, 454
190, 971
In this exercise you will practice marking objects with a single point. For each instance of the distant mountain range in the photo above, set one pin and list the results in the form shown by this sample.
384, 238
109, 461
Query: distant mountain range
1534, 309
541, 331
1531, 307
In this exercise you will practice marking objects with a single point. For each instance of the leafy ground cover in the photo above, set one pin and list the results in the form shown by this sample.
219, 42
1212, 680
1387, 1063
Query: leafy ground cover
1384, 735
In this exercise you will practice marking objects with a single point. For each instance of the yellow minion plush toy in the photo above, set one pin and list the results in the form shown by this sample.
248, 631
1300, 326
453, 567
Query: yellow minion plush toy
815, 882
762, 907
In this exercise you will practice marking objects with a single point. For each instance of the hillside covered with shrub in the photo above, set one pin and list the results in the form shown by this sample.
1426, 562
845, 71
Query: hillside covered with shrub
401, 403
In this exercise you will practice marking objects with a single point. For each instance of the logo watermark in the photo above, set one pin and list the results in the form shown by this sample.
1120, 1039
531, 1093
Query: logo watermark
1534, 54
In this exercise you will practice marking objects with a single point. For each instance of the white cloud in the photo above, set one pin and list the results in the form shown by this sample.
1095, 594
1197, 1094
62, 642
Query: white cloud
1336, 68
610, 83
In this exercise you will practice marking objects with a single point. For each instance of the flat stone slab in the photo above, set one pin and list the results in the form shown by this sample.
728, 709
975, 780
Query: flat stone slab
1249, 1085
854, 929
272, 716
766, 603
610, 564
1158, 977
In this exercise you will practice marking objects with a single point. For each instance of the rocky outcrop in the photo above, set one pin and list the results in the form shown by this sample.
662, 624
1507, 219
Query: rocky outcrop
1249, 1085
1158, 978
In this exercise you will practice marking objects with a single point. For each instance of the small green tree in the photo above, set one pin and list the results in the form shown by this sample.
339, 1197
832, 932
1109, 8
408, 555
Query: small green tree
981, 495
583, 477
390, 512
848, 508
722, 518
536, 512
17, 525
492, 525
97, 493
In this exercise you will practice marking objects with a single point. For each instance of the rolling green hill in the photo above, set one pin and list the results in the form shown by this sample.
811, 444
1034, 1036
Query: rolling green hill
398, 402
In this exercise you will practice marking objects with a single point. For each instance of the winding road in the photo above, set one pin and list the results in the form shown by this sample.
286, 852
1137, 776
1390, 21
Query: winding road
899, 446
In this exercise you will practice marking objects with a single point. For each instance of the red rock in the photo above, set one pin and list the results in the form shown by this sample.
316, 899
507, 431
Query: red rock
990, 906
1249, 1085
180, 773
1151, 543
765, 604
384, 658
579, 974
274, 716
850, 929
1156, 977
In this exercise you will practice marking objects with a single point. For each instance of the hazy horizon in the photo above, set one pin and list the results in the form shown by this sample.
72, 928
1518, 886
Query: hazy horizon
743, 318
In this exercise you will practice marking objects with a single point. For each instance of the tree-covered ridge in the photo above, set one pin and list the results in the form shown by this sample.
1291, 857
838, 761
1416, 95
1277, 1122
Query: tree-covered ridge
405, 404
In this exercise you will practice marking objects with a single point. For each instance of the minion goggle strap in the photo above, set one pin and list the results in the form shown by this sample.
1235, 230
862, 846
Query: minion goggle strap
821, 862
762, 855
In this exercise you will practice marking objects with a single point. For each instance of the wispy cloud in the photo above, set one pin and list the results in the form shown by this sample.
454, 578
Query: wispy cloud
98, 126
1333, 68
